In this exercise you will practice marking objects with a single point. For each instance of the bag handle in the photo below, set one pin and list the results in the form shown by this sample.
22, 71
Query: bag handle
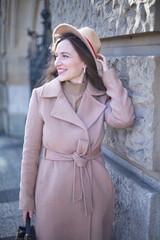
28, 222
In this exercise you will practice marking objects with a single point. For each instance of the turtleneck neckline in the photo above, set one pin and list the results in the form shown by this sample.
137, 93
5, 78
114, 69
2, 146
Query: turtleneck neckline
74, 88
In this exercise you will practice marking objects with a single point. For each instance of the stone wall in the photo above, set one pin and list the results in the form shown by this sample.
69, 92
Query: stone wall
136, 215
109, 18
139, 142
130, 35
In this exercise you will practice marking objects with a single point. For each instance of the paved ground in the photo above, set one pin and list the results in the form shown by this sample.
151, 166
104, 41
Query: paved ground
10, 162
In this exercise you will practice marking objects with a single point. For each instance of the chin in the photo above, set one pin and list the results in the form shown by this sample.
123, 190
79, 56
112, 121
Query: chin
61, 79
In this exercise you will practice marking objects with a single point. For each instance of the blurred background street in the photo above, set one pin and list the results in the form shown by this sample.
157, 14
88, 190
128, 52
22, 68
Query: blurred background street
10, 161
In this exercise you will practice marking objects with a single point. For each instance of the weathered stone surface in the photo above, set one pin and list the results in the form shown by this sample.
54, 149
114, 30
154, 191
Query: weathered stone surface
18, 98
17, 70
16, 124
151, 178
3, 96
156, 120
3, 69
3, 108
136, 203
3, 122
3, 26
136, 45
138, 75
18, 101
109, 17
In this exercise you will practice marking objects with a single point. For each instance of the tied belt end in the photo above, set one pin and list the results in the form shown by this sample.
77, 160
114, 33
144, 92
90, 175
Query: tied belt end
81, 183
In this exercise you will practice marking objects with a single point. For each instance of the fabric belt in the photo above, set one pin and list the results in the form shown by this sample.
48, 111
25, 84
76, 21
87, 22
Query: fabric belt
81, 179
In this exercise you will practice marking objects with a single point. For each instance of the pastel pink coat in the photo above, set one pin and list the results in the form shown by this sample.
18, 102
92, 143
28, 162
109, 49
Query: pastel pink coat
70, 188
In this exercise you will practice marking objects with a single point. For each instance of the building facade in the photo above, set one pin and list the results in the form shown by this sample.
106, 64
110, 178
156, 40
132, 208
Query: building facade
16, 17
130, 35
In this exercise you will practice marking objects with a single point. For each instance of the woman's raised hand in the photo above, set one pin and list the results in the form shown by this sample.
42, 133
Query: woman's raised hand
102, 60
25, 215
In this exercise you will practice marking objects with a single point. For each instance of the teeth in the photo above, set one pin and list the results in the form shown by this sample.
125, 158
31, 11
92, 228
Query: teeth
61, 71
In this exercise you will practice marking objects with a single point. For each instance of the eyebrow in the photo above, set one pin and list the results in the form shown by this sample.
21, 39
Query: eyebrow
63, 53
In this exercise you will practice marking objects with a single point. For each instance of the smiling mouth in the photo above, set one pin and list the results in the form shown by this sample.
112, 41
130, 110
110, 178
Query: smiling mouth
61, 71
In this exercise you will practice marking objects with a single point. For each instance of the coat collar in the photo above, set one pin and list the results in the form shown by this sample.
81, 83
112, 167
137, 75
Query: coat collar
53, 89
89, 109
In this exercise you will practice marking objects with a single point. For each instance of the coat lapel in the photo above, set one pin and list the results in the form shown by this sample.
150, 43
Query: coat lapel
89, 109
61, 109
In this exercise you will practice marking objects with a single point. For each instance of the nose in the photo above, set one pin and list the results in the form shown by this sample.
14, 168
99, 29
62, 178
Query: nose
57, 62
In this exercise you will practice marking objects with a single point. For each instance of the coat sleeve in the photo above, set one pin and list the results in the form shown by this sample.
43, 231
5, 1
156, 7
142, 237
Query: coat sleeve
119, 112
30, 154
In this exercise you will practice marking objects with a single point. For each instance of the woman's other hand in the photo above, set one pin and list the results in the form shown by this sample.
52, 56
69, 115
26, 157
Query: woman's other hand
25, 215
102, 60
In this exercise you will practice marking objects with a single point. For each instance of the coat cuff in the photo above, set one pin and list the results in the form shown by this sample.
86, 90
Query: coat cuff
119, 109
26, 202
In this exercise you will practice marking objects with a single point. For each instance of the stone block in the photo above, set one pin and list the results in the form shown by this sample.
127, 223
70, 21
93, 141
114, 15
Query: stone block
110, 17
3, 69
150, 177
3, 108
135, 45
3, 24
0, 66
18, 98
135, 216
140, 142
17, 124
3, 96
18, 70
3, 122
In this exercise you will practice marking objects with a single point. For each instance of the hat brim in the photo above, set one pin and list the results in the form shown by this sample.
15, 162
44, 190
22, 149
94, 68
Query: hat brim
67, 28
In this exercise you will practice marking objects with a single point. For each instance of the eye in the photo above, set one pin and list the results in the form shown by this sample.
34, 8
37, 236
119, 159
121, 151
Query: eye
65, 56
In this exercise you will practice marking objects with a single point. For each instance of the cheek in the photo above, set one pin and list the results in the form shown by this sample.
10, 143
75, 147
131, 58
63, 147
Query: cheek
77, 67
74, 63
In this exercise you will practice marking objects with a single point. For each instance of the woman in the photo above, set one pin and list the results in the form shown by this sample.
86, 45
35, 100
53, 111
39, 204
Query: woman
70, 188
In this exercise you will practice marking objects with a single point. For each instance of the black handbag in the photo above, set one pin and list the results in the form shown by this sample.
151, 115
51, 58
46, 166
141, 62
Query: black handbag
27, 232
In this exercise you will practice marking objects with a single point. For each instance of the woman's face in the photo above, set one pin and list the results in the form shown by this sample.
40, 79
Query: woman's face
68, 63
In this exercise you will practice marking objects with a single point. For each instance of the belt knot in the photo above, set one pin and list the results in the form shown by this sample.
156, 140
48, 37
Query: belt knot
79, 160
